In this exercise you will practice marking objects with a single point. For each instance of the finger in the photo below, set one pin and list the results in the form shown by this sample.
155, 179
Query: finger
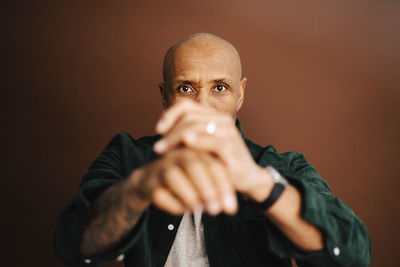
211, 144
223, 184
174, 138
221, 148
187, 129
165, 200
177, 182
201, 180
172, 115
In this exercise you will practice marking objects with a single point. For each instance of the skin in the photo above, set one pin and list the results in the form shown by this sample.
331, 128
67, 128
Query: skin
202, 82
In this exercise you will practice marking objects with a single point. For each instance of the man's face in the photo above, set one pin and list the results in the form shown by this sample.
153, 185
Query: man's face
206, 72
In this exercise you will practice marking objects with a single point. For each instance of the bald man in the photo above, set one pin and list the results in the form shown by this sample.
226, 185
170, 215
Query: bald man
201, 194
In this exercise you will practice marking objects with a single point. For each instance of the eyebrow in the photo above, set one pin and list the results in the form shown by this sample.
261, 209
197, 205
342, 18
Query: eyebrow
221, 80
184, 82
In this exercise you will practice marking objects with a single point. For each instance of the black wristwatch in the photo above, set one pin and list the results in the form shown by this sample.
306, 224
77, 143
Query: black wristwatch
280, 184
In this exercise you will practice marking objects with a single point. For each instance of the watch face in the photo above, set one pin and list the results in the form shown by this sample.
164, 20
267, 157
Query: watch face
276, 176
284, 181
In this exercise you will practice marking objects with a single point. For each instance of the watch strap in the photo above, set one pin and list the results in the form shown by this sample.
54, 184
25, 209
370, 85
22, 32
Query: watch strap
280, 184
271, 199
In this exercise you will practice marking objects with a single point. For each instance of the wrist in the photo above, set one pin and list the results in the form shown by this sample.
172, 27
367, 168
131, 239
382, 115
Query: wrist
279, 185
135, 189
262, 189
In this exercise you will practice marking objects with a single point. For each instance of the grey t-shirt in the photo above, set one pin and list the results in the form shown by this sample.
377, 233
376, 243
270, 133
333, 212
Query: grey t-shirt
188, 248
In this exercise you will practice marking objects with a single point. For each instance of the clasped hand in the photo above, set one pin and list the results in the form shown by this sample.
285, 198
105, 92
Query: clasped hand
200, 167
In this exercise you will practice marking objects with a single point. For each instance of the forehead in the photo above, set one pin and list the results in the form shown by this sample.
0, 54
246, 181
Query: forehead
204, 61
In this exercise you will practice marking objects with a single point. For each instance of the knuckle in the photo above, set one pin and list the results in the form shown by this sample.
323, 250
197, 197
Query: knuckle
193, 161
156, 196
215, 168
169, 175
185, 159
186, 118
187, 154
187, 134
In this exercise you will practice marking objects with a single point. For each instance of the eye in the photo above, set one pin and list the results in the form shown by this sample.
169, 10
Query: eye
184, 89
220, 88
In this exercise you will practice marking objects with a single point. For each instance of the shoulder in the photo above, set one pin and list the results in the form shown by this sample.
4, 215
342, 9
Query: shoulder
124, 142
289, 162
292, 164
124, 138
269, 154
129, 149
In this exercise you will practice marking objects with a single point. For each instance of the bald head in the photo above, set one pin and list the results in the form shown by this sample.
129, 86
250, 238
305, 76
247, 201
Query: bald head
204, 68
201, 44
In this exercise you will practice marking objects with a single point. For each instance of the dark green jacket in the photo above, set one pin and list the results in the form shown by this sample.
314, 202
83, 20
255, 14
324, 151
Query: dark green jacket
245, 239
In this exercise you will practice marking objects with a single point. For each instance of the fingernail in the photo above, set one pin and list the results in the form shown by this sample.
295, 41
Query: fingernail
160, 146
213, 207
161, 125
229, 202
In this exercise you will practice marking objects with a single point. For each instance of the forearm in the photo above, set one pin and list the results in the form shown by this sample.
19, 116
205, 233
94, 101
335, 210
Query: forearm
115, 212
286, 215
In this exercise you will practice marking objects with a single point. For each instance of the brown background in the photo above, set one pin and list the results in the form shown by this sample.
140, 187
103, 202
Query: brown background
323, 79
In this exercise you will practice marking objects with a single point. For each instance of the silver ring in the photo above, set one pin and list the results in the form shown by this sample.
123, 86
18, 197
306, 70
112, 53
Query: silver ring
211, 127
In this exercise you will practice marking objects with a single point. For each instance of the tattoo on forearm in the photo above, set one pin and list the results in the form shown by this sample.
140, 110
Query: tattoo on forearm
114, 217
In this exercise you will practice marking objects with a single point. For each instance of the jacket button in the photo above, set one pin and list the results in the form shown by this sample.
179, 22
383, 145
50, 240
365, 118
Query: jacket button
170, 227
336, 251
120, 257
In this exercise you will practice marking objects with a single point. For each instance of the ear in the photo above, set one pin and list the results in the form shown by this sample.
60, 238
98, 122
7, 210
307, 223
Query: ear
242, 86
164, 95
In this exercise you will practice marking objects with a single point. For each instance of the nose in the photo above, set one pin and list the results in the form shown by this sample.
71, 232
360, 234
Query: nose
203, 99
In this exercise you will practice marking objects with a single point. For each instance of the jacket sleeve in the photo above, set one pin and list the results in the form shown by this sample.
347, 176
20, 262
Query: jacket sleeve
346, 239
109, 168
